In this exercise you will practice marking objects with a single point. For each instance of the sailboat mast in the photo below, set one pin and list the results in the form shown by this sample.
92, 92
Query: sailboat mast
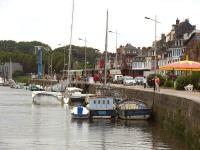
106, 46
10, 76
70, 47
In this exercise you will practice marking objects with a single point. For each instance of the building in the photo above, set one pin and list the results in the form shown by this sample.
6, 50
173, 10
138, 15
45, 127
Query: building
7, 69
125, 58
193, 46
176, 43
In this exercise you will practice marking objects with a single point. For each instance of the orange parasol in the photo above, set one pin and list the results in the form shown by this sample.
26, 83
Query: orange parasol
182, 65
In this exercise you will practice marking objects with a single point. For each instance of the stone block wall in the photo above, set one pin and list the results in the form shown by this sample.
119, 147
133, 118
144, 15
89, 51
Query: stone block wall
177, 114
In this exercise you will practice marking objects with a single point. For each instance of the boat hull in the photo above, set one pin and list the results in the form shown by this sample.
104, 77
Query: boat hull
102, 114
80, 112
76, 116
134, 114
46, 98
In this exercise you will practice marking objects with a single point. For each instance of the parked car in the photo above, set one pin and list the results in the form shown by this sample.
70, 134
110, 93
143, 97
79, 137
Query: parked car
128, 80
139, 80
118, 79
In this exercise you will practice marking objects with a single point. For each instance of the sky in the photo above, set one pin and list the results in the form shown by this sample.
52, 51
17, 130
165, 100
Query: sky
49, 21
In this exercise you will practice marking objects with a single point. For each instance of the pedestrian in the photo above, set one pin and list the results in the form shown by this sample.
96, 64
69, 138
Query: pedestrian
145, 82
157, 83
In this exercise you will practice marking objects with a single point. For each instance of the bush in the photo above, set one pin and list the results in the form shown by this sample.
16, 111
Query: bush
22, 79
150, 80
18, 73
168, 83
183, 81
195, 79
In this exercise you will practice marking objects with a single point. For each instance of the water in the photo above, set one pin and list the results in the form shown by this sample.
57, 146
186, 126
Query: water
26, 126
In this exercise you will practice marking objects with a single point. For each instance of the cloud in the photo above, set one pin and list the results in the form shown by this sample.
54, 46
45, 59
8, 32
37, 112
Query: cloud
49, 20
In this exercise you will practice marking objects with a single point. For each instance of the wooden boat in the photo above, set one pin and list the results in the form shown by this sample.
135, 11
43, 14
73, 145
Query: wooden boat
101, 107
80, 112
133, 109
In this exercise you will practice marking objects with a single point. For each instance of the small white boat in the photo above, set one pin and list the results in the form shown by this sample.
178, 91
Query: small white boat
80, 112
1, 81
44, 97
72, 94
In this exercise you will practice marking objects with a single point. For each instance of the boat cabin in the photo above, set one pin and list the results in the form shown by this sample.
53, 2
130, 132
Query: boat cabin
100, 103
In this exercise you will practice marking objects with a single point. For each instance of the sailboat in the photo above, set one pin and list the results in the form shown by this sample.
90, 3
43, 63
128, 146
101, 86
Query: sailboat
70, 91
102, 106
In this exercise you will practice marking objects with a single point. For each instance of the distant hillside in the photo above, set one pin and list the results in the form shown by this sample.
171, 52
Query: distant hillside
26, 47
24, 53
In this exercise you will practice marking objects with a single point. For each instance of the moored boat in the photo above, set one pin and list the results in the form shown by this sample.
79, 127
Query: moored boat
133, 109
44, 97
101, 107
80, 112
72, 94
1, 81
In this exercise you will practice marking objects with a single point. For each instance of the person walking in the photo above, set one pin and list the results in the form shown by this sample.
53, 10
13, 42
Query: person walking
145, 82
157, 83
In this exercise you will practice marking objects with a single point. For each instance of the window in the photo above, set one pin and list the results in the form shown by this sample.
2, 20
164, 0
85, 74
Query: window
108, 102
99, 102
94, 102
103, 101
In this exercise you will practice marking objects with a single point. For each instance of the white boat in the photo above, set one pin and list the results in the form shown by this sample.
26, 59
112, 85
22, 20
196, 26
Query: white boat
101, 107
80, 112
44, 97
59, 87
1, 81
71, 93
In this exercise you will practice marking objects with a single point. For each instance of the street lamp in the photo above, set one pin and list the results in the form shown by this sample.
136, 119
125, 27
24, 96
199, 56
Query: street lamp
155, 46
85, 53
116, 34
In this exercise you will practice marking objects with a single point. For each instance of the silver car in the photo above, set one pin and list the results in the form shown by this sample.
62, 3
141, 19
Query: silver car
128, 80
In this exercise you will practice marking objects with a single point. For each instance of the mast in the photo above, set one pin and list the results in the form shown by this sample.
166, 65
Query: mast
10, 67
70, 47
106, 46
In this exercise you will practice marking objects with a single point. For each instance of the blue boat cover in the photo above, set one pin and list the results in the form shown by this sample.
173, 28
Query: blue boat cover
80, 110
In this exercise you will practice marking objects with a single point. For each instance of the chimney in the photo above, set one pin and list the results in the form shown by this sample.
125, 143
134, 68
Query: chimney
162, 36
177, 21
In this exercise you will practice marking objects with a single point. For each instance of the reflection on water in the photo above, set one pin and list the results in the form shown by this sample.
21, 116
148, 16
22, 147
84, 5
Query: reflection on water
24, 125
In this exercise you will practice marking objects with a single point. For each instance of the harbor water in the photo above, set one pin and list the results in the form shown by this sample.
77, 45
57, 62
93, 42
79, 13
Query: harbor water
26, 126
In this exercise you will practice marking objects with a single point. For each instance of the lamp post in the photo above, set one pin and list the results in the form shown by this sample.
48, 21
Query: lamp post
155, 46
116, 34
85, 55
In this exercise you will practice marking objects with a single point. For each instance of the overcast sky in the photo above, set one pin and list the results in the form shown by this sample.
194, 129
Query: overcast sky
49, 21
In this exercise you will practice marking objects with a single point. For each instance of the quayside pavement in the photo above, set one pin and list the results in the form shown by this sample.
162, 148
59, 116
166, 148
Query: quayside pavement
191, 95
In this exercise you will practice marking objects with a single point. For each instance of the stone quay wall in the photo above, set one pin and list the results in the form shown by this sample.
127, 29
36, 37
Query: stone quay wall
176, 114
43, 82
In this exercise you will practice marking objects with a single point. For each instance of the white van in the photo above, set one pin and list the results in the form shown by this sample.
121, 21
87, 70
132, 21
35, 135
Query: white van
118, 79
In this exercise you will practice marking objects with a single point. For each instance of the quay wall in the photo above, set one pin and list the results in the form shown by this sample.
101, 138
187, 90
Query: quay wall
178, 115
43, 82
